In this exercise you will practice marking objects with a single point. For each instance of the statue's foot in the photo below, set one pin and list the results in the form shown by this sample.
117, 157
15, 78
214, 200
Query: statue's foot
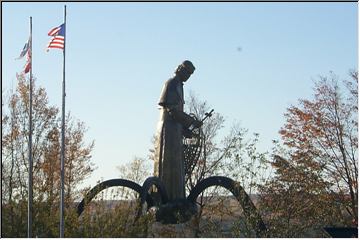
176, 211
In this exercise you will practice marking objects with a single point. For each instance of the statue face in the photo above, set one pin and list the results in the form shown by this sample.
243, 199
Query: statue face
184, 74
186, 77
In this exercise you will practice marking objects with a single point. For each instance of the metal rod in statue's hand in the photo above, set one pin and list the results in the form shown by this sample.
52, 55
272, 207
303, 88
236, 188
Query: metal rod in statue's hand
207, 115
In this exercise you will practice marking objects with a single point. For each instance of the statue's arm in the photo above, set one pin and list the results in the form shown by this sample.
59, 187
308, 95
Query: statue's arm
181, 117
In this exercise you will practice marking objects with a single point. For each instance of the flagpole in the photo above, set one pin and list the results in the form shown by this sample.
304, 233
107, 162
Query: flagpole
30, 183
63, 139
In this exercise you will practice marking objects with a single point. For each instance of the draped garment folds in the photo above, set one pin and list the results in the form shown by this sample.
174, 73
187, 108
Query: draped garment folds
169, 153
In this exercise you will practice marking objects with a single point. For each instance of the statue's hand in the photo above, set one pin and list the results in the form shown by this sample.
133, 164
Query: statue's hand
197, 123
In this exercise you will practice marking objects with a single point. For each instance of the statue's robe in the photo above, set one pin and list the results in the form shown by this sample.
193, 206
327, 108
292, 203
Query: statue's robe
169, 153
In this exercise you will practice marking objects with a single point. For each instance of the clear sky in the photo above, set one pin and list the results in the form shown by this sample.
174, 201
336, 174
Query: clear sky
253, 60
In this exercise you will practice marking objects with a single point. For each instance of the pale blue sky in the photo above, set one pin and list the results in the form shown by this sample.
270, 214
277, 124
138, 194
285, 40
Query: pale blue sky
118, 56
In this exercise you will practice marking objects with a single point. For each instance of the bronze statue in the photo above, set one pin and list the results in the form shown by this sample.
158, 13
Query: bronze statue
169, 153
168, 196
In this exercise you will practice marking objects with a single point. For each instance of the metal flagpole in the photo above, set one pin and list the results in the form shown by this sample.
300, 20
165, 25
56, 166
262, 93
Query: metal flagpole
30, 183
63, 139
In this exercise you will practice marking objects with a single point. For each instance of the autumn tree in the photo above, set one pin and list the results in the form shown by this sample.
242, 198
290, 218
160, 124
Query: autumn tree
315, 182
46, 162
296, 201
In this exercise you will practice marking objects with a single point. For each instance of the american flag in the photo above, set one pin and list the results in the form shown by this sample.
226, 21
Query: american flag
58, 37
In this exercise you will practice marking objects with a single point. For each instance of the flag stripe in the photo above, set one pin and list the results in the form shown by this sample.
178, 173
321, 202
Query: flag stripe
57, 46
56, 43
54, 31
55, 40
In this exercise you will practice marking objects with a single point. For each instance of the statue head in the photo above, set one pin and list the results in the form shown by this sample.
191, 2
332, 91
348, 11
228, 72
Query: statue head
184, 70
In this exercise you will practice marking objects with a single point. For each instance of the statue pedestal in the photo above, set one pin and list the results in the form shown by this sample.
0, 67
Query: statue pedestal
176, 211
